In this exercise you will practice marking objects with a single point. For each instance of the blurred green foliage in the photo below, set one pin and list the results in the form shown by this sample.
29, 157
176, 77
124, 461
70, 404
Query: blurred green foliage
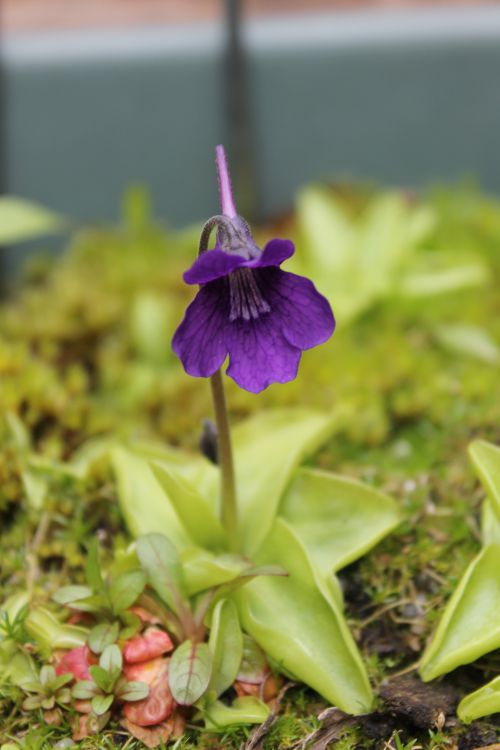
22, 220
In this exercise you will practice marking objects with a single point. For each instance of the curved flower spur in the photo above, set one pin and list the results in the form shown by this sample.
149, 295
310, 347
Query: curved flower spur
247, 307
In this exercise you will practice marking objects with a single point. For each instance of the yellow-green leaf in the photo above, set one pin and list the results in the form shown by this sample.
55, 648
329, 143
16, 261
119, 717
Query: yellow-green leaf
426, 281
125, 589
22, 220
482, 702
470, 626
198, 519
490, 524
472, 341
267, 449
143, 501
338, 519
299, 629
203, 570
226, 645
51, 634
486, 460
326, 230
162, 566
245, 710
193, 467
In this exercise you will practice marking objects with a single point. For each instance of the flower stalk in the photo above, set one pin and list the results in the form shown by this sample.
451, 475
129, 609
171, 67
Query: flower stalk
246, 308
229, 510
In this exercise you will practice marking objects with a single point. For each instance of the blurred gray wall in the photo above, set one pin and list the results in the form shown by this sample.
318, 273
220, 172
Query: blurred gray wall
404, 97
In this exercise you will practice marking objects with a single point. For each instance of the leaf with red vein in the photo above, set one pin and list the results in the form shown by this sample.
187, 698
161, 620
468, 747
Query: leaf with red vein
190, 671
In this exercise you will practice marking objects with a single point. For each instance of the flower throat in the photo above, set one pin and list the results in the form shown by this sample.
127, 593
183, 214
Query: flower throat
245, 297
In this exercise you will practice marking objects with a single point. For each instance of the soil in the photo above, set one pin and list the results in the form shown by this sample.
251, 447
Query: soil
420, 705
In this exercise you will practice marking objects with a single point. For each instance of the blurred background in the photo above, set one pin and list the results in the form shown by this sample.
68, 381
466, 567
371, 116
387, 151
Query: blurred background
38, 14
99, 94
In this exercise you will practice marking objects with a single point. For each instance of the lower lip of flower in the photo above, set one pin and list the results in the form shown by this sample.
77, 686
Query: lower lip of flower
245, 296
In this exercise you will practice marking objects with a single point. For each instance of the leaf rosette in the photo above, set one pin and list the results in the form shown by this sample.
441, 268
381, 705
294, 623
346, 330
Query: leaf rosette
304, 523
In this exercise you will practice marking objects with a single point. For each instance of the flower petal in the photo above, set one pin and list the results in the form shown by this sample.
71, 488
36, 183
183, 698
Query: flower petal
275, 252
211, 265
305, 315
259, 354
199, 341
216, 263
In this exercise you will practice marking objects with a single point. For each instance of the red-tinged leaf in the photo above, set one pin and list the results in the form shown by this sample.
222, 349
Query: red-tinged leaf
83, 707
150, 737
246, 688
190, 672
144, 615
53, 717
77, 617
159, 704
271, 687
152, 643
81, 728
179, 724
76, 662
144, 671
266, 690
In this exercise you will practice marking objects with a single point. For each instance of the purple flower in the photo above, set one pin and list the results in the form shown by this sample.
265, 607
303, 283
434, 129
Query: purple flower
247, 307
